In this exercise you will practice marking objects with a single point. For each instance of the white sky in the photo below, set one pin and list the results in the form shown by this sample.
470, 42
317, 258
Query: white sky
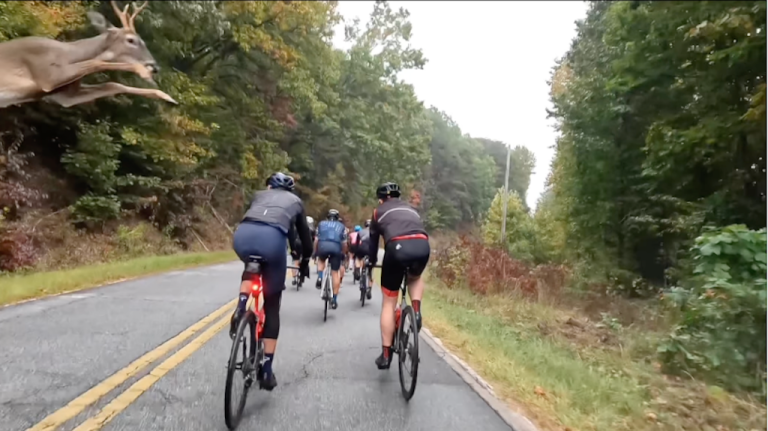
488, 66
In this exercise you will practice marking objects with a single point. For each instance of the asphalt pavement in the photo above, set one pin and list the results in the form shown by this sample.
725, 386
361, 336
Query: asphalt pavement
54, 350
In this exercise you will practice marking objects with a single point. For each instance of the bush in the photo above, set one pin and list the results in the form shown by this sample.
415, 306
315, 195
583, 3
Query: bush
17, 251
92, 208
486, 270
722, 332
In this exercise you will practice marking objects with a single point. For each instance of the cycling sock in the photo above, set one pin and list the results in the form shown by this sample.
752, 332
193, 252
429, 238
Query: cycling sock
267, 367
243, 300
320, 275
335, 295
386, 351
416, 305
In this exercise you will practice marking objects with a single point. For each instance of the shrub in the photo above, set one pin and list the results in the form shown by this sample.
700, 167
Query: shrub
485, 269
17, 250
92, 208
722, 331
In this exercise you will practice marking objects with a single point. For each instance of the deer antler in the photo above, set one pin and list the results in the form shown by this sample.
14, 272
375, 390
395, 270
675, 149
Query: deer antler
125, 19
136, 12
122, 14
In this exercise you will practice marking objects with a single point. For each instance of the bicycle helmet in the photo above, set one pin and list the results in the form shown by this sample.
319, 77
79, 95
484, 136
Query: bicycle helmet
333, 214
279, 180
310, 220
358, 228
368, 223
388, 190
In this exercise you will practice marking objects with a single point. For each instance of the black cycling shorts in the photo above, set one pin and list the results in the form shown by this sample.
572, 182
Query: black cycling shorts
400, 254
332, 252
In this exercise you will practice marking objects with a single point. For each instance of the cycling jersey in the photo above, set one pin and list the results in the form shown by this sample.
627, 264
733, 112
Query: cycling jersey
283, 210
394, 219
364, 237
353, 238
331, 230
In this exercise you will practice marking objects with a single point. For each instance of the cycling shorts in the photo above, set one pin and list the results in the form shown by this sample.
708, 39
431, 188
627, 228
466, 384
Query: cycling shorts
409, 252
331, 251
259, 239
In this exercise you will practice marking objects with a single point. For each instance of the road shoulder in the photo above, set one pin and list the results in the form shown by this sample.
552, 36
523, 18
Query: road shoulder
515, 420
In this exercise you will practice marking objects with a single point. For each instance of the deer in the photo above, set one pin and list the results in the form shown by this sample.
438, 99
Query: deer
37, 68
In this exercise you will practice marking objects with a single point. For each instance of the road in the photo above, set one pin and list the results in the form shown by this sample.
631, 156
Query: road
54, 350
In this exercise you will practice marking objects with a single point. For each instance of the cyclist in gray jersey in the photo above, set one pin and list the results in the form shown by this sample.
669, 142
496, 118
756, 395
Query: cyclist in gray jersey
273, 219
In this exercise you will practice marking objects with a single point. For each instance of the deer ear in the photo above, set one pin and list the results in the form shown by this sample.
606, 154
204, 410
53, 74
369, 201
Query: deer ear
98, 21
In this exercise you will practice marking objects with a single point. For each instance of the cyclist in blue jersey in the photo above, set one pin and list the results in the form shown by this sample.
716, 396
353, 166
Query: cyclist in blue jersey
331, 246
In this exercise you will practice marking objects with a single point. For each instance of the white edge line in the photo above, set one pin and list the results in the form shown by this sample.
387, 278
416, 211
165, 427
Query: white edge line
516, 421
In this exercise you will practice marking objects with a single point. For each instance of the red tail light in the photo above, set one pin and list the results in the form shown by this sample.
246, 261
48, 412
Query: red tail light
256, 285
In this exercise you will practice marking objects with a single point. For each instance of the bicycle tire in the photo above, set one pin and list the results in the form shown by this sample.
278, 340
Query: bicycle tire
248, 322
327, 299
363, 279
404, 351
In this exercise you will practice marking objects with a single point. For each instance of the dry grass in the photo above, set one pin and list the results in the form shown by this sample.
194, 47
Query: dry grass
20, 287
573, 372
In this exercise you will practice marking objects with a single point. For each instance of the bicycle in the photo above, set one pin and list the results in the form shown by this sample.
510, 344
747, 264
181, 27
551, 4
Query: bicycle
400, 344
298, 280
327, 291
252, 344
364, 287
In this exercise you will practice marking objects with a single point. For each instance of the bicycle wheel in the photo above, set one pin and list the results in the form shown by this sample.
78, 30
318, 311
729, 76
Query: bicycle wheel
408, 352
363, 287
327, 295
244, 344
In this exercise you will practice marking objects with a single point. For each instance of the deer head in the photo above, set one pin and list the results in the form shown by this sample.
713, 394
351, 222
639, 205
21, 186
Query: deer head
124, 44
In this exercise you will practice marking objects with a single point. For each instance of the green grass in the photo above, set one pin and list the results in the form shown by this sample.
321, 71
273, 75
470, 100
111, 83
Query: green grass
564, 377
14, 288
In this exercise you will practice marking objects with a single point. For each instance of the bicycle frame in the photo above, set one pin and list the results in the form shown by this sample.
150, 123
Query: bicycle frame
256, 303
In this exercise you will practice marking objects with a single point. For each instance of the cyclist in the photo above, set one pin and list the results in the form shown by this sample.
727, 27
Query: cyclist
295, 258
363, 245
330, 245
313, 231
352, 247
274, 216
406, 246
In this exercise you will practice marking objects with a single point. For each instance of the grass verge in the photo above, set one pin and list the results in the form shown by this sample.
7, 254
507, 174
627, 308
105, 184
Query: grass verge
14, 288
572, 374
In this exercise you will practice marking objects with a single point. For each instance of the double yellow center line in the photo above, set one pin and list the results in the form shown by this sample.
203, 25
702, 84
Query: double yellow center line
122, 401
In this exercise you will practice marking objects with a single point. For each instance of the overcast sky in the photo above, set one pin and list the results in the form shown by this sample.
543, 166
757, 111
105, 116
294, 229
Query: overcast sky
488, 66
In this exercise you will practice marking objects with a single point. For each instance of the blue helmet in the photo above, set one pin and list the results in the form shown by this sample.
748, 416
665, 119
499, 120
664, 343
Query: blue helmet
358, 228
279, 180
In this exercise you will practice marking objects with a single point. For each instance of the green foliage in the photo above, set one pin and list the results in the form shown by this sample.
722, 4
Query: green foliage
459, 185
520, 240
660, 107
93, 208
722, 331
261, 89
521, 164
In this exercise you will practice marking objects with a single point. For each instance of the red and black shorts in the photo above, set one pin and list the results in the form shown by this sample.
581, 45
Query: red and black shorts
409, 252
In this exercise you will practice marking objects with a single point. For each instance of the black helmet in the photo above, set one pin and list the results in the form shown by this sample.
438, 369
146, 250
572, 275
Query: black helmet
279, 180
388, 190
333, 214
368, 223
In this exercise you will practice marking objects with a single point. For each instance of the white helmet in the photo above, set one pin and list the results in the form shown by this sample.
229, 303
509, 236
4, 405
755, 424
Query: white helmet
310, 220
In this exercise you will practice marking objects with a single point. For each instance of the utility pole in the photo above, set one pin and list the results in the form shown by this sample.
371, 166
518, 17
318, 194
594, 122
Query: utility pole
506, 198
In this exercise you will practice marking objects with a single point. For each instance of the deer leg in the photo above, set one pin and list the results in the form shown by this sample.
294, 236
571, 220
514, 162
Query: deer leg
67, 74
77, 95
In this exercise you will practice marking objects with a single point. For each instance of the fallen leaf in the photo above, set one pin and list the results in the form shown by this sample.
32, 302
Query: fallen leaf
651, 416
540, 392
